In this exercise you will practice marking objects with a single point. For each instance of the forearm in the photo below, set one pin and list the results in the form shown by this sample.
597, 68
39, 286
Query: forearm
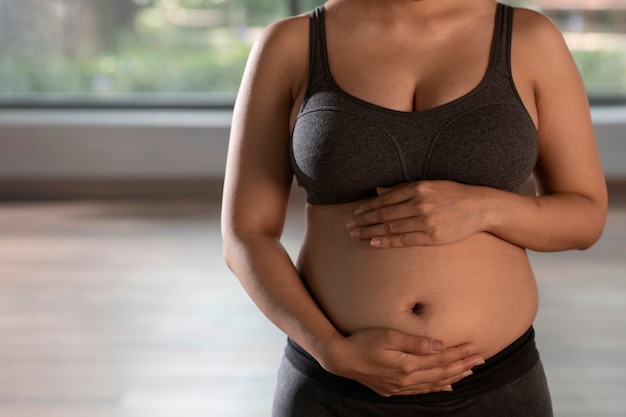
268, 275
552, 222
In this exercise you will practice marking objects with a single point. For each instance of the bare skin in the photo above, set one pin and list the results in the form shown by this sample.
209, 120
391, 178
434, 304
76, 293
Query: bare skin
479, 290
453, 285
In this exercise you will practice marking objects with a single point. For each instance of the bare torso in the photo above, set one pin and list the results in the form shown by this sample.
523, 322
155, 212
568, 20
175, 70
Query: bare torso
480, 290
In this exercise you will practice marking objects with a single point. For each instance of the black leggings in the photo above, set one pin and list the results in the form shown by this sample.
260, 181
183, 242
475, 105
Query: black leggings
510, 384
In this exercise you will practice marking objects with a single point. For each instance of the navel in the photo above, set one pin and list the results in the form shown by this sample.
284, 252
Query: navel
418, 308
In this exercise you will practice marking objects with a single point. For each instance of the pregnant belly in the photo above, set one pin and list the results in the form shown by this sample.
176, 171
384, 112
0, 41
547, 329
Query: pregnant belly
480, 290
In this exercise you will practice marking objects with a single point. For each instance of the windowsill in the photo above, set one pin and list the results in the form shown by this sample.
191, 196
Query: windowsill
609, 114
160, 117
110, 143
116, 117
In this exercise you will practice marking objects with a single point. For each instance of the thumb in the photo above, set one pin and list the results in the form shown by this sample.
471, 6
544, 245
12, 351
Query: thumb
436, 346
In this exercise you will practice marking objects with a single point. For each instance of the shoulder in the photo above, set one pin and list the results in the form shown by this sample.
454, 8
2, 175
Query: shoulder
286, 32
281, 52
283, 40
539, 49
536, 34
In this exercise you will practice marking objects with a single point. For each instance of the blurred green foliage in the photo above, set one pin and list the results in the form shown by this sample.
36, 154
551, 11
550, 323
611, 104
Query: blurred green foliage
603, 71
154, 54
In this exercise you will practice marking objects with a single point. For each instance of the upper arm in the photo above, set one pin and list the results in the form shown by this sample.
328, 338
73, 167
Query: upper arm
568, 157
258, 175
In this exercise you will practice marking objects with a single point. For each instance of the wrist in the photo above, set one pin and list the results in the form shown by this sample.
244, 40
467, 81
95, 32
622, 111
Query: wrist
489, 210
331, 353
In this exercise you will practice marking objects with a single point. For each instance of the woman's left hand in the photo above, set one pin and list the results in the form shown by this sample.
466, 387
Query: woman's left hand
420, 213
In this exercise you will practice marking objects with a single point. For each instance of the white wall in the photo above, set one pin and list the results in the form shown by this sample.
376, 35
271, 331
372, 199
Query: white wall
110, 144
610, 128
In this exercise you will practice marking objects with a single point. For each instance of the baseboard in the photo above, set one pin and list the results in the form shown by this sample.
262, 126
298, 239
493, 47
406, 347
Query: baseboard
186, 188
617, 192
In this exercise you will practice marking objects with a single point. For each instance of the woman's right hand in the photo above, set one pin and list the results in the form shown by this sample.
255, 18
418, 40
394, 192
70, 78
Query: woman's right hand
396, 363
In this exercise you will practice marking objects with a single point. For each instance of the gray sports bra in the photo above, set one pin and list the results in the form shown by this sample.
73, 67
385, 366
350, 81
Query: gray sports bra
342, 147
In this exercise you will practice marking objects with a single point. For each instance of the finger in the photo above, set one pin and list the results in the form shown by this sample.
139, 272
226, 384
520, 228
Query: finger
422, 387
386, 196
425, 389
449, 362
437, 379
445, 386
381, 215
411, 391
405, 239
395, 227
417, 346
430, 380
437, 376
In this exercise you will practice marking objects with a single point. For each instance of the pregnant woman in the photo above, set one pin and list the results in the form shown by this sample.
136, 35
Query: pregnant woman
411, 125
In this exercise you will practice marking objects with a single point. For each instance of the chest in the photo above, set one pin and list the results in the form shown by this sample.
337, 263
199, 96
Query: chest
345, 147
409, 67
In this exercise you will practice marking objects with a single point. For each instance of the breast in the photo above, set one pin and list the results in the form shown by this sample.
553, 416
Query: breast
340, 154
494, 146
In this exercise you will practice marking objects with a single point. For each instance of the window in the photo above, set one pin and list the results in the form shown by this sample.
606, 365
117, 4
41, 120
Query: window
192, 52
127, 50
595, 31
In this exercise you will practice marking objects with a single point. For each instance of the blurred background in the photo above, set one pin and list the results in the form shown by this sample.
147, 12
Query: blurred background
114, 299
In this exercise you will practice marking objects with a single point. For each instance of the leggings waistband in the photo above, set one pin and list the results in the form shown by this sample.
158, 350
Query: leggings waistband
508, 365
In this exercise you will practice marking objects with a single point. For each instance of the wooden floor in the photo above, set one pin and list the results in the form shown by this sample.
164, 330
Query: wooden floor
125, 309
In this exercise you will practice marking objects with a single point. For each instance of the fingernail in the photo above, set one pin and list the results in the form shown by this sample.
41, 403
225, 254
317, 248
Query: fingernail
436, 346
447, 388
359, 210
375, 242
479, 362
355, 233
466, 374
350, 224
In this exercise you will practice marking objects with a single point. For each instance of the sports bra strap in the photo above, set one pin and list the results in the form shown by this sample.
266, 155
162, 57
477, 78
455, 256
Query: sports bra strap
317, 40
502, 39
